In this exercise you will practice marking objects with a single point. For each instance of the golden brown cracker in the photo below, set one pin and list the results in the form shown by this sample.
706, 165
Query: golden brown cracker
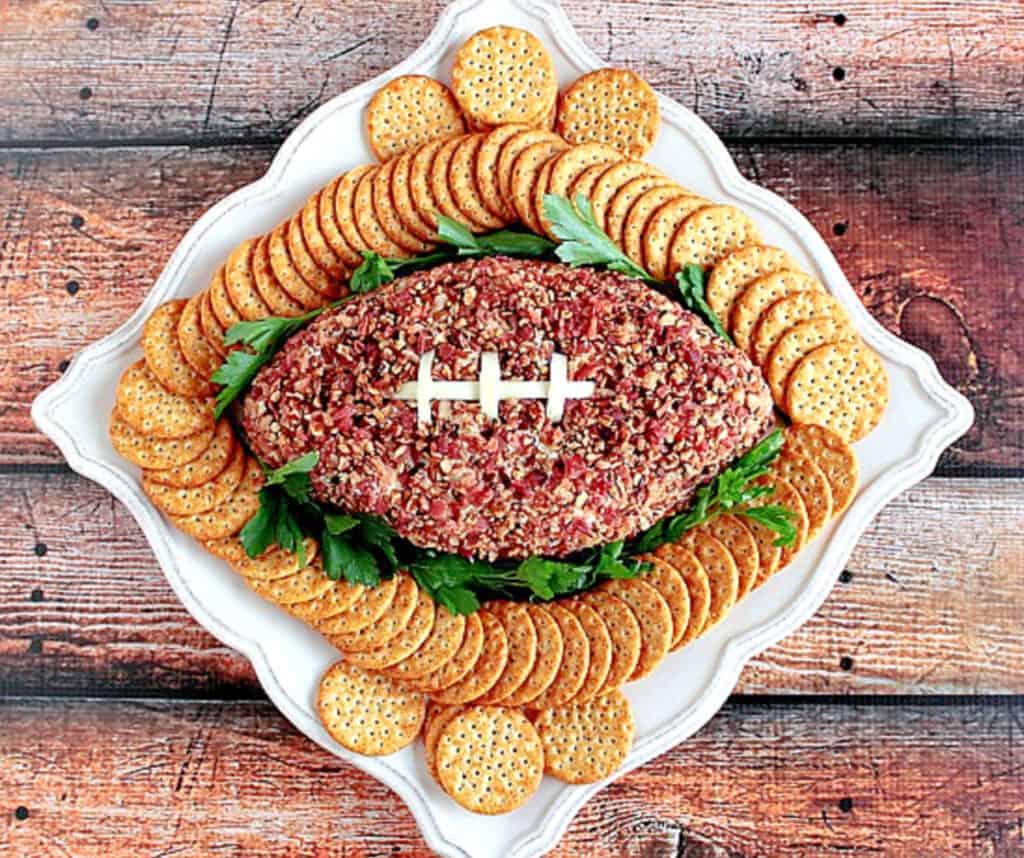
522, 649
269, 566
652, 614
201, 356
340, 598
664, 578
309, 269
731, 531
661, 229
624, 629
634, 227
615, 177
787, 496
240, 282
440, 646
723, 576
164, 356
231, 516
407, 112
420, 170
405, 207
287, 275
512, 148
151, 409
810, 482
148, 451
212, 330
459, 665
710, 234
327, 219
226, 312
584, 184
599, 642
366, 712
271, 291
204, 467
833, 455
486, 669
685, 562
463, 184
587, 742
796, 343
759, 295
438, 716
345, 208
569, 165
550, 647
787, 312
574, 664
367, 222
615, 107
736, 270
842, 386
486, 170
409, 639
318, 244
387, 212
388, 625
441, 186
526, 177
613, 220
371, 605
309, 582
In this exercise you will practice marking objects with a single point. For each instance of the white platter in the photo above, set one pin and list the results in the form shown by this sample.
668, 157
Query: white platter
926, 415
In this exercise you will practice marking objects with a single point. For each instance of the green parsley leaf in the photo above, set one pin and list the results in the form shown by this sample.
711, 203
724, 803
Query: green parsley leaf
260, 531
691, 295
342, 558
776, 518
236, 374
372, 272
505, 242
583, 241
338, 523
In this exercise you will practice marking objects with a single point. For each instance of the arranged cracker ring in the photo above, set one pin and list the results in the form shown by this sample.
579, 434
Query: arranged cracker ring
368, 225
634, 227
599, 644
797, 342
653, 616
240, 282
387, 213
286, 272
151, 409
572, 669
784, 314
195, 348
224, 310
304, 262
759, 295
267, 284
152, 451
521, 634
614, 107
464, 187
486, 669
624, 629
317, 241
511, 149
409, 111
550, 647
737, 270
709, 234
665, 578
685, 562
833, 455
487, 174
210, 325
327, 220
204, 467
405, 207
613, 219
164, 355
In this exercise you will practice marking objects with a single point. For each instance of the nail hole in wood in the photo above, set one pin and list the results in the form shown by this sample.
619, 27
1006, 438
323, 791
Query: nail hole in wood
839, 73
85, 93
35, 646
63, 365
72, 287
846, 663
36, 595
77, 221
40, 549
839, 19
94, 23
21, 813
840, 228
846, 804
846, 576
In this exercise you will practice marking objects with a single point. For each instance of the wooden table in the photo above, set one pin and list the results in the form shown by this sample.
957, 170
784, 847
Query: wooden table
890, 724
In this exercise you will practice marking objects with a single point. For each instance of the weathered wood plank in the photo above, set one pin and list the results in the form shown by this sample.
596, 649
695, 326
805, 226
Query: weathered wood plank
932, 603
228, 70
93, 778
933, 238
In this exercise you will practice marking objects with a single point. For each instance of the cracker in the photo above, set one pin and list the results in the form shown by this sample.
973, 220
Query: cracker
599, 644
175, 500
809, 480
267, 284
842, 386
387, 625
317, 243
654, 617
550, 647
833, 455
231, 516
366, 712
796, 343
405, 208
634, 227
309, 583
664, 578
612, 106
269, 566
463, 184
241, 284
340, 598
489, 759
512, 148
613, 219
288, 276
572, 671
661, 229
402, 645
409, 111
486, 169
731, 531
365, 611
709, 234
226, 313
201, 356
624, 629
486, 669
769, 555
612, 180
204, 467
735, 271
420, 169
587, 742
685, 562
213, 333
438, 717
537, 193
459, 665
302, 260
759, 295
586, 181
345, 208
786, 495
522, 649
164, 356
387, 213
327, 218
527, 174
151, 409
441, 186
504, 74
440, 646
568, 166
367, 222
147, 451
723, 576
787, 312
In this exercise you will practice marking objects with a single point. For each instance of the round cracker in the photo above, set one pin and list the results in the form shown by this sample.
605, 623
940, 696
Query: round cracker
527, 174
486, 169
787, 496
723, 576
309, 583
489, 759
587, 742
769, 555
405, 208
654, 617
615, 107
267, 284
365, 611
575, 660
316, 240
613, 220
387, 213
201, 356
759, 295
634, 227
842, 386
796, 343
287, 275
585, 182
522, 649
463, 184
661, 229
407, 112
460, 664
504, 74
513, 147
420, 170
232, 515
151, 409
735, 271
441, 186
664, 578
345, 207
367, 713
327, 218
446, 635
213, 333
226, 312
164, 355
624, 629
302, 260
438, 716
568, 166
709, 234
204, 467
388, 625
147, 451
241, 283
685, 562
599, 643
486, 669
612, 180
367, 222
737, 538
191, 500
547, 662
409, 639
269, 566
341, 597
786, 313
809, 480
833, 455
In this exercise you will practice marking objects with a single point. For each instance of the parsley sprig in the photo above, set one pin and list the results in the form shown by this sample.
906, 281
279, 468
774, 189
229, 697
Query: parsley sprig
691, 295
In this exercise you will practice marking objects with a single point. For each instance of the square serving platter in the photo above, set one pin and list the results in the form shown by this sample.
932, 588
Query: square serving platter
925, 416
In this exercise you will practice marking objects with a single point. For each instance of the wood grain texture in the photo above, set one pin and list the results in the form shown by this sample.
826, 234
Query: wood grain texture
230, 70
932, 238
98, 778
921, 614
